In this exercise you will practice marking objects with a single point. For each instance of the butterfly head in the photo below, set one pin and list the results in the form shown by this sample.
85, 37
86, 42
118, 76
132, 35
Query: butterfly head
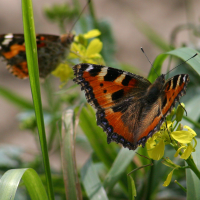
67, 39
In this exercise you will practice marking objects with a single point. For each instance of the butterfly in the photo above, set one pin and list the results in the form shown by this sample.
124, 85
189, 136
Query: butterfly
51, 49
129, 108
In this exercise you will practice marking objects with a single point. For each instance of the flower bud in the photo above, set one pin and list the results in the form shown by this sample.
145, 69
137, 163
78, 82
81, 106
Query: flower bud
180, 112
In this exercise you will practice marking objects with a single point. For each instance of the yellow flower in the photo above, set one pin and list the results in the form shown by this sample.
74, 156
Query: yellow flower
187, 152
157, 152
171, 164
64, 72
156, 144
89, 54
91, 34
94, 48
185, 139
168, 180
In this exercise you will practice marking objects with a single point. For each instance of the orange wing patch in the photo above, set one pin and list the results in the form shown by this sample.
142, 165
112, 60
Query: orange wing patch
14, 50
107, 92
114, 119
20, 70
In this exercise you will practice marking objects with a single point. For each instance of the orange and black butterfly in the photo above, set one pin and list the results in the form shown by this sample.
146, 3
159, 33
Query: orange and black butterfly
130, 109
51, 49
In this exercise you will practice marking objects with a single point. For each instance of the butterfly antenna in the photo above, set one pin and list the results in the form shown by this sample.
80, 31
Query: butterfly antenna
79, 15
182, 62
148, 60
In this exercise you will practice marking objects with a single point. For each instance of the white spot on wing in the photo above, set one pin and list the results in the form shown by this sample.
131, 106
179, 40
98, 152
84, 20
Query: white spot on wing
184, 78
9, 35
8, 39
89, 68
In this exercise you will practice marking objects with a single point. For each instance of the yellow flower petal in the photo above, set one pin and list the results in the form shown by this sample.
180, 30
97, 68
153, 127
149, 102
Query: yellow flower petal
94, 47
190, 130
158, 151
177, 152
187, 152
92, 33
182, 136
169, 178
150, 143
63, 71
169, 124
180, 112
169, 163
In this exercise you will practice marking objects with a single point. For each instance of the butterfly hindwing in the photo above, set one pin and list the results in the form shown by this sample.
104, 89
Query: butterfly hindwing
129, 108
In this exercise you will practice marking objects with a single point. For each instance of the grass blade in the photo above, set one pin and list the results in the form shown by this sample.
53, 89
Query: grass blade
15, 98
9, 183
72, 186
118, 168
92, 183
31, 54
131, 188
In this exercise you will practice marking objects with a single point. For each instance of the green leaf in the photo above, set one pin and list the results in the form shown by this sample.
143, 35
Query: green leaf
182, 53
15, 98
92, 183
9, 183
115, 171
108, 40
186, 53
157, 66
131, 188
72, 186
97, 138
193, 183
32, 61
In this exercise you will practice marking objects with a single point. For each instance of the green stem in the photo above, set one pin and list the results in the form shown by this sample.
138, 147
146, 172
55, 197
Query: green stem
180, 186
31, 53
191, 163
92, 12
148, 191
193, 166
192, 121
175, 126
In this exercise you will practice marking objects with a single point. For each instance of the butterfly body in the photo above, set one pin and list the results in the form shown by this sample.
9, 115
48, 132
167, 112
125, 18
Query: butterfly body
51, 51
129, 108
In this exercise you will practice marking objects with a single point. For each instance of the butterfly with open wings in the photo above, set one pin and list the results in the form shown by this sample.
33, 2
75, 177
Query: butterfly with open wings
130, 109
